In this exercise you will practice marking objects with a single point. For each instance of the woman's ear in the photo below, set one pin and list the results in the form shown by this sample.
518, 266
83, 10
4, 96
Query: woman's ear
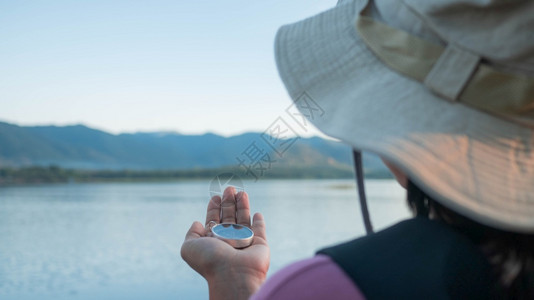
402, 179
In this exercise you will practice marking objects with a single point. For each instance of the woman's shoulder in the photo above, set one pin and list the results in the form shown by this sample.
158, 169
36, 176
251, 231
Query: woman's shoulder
314, 278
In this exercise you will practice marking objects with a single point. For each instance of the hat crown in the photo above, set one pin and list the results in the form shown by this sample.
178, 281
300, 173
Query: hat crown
500, 31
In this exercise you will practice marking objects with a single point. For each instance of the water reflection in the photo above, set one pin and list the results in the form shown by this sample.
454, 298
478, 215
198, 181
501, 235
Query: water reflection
122, 241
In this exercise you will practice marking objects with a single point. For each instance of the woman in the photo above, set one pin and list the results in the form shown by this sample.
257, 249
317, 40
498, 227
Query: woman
443, 91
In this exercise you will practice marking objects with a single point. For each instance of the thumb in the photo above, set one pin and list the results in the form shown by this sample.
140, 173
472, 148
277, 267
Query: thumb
188, 248
196, 231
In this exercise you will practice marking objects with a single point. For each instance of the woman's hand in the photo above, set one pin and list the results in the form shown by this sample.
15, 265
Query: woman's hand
231, 273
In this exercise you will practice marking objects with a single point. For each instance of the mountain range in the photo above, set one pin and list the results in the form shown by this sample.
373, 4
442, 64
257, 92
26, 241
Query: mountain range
81, 147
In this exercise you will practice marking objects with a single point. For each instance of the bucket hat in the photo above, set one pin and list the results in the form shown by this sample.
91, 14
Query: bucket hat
443, 89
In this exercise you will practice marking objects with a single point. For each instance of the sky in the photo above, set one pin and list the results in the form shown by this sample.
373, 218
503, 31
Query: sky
127, 66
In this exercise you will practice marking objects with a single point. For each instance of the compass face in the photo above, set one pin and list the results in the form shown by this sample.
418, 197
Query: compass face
224, 180
232, 231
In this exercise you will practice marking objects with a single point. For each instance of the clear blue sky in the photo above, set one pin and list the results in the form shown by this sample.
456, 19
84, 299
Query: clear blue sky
125, 66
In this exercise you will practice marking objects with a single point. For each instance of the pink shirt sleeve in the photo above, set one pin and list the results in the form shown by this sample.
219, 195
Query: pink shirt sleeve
314, 278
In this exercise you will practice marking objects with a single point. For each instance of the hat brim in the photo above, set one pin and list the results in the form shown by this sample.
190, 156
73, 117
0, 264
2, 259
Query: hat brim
472, 162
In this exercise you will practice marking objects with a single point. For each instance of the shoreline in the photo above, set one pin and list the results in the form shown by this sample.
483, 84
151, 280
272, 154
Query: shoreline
53, 174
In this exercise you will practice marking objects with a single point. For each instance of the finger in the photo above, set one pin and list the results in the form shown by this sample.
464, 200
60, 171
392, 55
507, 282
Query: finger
228, 205
242, 209
258, 226
188, 247
196, 231
214, 210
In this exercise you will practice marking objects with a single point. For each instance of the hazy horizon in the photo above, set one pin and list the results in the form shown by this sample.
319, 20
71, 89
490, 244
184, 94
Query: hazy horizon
129, 66
313, 132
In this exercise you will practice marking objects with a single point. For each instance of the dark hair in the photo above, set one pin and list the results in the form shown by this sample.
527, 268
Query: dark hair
510, 254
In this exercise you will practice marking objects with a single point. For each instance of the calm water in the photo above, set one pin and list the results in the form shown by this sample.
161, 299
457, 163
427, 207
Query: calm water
122, 241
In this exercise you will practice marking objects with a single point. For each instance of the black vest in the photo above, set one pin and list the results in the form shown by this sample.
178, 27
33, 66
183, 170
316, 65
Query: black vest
416, 259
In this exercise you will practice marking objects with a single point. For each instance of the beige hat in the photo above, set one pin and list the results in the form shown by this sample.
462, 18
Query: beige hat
444, 89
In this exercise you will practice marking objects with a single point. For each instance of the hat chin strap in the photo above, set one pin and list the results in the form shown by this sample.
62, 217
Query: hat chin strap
358, 167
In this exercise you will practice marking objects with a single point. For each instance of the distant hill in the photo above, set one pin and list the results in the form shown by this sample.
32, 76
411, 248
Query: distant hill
81, 147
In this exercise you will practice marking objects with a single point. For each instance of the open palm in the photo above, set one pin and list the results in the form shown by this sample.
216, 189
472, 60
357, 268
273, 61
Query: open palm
216, 260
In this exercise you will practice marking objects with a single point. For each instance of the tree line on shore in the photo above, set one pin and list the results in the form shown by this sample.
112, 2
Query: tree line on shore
55, 174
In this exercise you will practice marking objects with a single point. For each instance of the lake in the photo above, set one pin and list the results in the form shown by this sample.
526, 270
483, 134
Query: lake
122, 240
